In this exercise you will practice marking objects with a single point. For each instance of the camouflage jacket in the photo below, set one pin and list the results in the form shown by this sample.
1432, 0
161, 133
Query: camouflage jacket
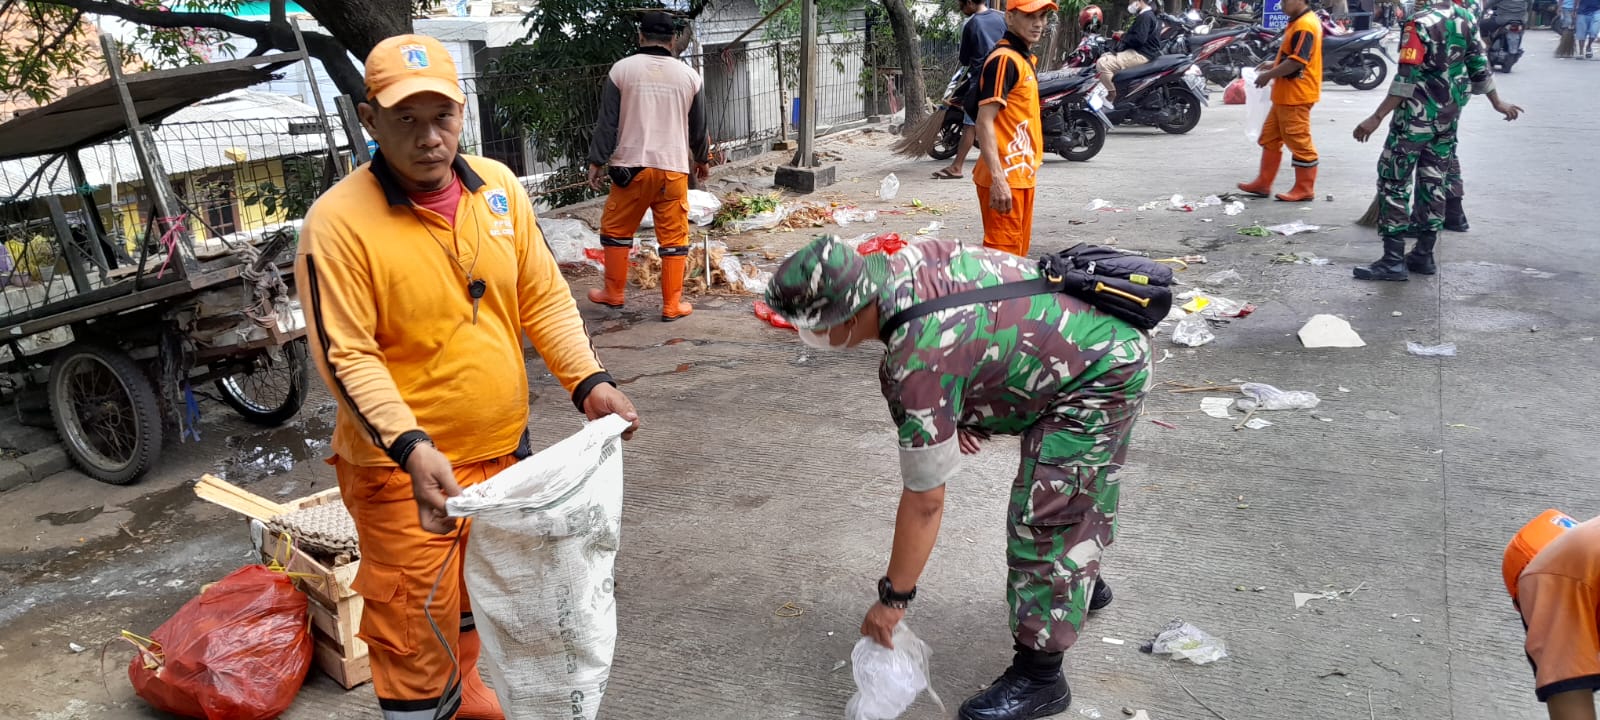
996, 368
1442, 60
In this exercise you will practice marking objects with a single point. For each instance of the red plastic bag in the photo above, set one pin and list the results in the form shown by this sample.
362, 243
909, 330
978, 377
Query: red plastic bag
1234, 95
764, 312
240, 650
887, 243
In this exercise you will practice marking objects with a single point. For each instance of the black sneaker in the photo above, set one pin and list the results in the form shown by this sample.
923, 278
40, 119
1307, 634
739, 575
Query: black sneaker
1014, 697
1101, 596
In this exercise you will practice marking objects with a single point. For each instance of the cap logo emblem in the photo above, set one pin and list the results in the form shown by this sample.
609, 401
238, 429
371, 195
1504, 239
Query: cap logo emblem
415, 56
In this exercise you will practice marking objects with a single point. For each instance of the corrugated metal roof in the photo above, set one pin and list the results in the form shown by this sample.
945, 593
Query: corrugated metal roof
241, 126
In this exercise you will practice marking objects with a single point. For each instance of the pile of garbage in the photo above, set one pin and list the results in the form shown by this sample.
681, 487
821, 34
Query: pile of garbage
727, 271
1191, 323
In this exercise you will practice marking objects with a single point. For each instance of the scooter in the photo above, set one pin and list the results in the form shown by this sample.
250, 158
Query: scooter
1505, 45
1074, 126
1356, 59
1167, 92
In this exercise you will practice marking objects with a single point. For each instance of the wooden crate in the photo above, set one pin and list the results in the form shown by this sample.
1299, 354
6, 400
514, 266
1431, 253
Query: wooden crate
335, 607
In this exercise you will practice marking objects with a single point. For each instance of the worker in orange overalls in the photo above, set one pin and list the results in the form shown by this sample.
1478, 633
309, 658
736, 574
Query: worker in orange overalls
1552, 570
1296, 77
420, 273
652, 128
1010, 132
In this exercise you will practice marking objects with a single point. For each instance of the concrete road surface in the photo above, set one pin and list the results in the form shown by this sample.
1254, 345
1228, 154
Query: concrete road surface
765, 478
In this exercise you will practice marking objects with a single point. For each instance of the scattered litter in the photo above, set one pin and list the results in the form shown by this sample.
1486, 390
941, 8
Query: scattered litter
76, 647
1302, 258
805, 216
1255, 424
1343, 389
1177, 203
1165, 356
1397, 313
1196, 304
846, 215
1165, 424
1540, 274
1113, 641
1444, 350
1330, 197
569, 239
1294, 228
931, 228
1300, 599
1153, 204
1091, 713
1332, 673
1233, 208
1220, 408
1223, 278
1210, 201
1266, 397
1254, 231
889, 188
839, 665
1186, 642
1221, 307
1329, 331
703, 208
1105, 205
889, 680
174, 583
1141, 715
1192, 331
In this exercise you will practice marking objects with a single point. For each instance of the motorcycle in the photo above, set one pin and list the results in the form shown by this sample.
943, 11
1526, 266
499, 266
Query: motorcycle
1356, 59
1505, 44
1167, 92
950, 132
1074, 126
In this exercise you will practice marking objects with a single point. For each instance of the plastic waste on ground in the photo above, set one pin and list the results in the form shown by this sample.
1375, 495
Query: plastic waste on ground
545, 535
1329, 331
1099, 204
1420, 350
765, 314
886, 243
1257, 104
1294, 228
846, 215
762, 221
889, 680
1262, 396
239, 649
931, 229
1210, 201
889, 188
1192, 331
703, 208
1186, 642
1233, 208
1223, 278
1222, 307
1220, 408
569, 239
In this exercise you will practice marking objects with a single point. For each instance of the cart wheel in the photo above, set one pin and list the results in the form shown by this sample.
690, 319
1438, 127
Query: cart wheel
274, 391
106, 412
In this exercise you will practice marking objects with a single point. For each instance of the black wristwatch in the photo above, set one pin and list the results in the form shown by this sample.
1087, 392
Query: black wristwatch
897, 600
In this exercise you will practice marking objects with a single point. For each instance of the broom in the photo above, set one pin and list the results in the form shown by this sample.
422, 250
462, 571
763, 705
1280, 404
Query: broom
1370, 218
921, 140
1568, 46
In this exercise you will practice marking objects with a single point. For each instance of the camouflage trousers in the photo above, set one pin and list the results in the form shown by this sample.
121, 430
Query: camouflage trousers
1454, 187
1420, 150
1063, 509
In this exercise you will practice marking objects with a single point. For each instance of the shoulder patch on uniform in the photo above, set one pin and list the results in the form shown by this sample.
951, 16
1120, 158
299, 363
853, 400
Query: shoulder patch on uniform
1412, 51
499, 203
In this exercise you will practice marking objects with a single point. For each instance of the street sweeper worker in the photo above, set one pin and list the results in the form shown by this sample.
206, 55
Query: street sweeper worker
652, 129
1052, 369
1552, 570
420, 273
1296, 78
1010, 131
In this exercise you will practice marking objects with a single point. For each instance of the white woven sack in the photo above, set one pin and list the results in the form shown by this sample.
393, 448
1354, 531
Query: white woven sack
538, 570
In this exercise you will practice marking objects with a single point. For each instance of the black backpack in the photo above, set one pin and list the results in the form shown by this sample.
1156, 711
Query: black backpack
1132, 288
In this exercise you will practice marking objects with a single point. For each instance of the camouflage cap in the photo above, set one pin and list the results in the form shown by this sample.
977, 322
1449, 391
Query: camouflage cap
825, 283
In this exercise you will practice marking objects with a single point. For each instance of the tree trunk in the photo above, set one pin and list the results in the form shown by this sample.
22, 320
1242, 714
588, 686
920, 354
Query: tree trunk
358, 25
909, 47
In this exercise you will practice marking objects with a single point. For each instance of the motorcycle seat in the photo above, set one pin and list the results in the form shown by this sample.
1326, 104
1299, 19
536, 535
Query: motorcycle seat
1051, 83
1193, 43
1154, 67
1332, 42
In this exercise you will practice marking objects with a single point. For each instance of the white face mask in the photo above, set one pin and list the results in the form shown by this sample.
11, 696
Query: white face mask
1133, 8
820, 340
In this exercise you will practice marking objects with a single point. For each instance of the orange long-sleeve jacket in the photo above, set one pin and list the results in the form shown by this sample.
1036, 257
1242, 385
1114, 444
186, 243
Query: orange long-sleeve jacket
385, 287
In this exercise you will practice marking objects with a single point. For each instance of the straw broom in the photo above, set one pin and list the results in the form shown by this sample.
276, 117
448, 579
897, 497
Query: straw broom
1370, 218
921, 140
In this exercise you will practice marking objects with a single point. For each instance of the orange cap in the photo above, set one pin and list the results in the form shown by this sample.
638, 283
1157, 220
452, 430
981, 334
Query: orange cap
1032, 6
1528, 541
406, 65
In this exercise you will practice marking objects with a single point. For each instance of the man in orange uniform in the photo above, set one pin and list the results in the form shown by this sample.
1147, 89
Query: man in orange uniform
420, 273
1296, 77
652, 121
1552, 569
1010, 132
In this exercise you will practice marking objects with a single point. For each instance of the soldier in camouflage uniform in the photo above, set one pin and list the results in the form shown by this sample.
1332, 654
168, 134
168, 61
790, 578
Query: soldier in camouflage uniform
1065, 377
1455, 216
1441, 58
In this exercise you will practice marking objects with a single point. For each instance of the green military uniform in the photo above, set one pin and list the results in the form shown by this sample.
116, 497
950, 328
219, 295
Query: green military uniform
1442, 58
1067, 378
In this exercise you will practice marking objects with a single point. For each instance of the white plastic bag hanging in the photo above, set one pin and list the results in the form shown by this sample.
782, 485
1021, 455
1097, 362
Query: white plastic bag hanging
1257, 104
539, 570
889, 680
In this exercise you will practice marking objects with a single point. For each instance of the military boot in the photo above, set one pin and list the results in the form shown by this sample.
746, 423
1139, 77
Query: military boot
1101, 596
1420, 259
1031, 688
1392, 266
1455, 218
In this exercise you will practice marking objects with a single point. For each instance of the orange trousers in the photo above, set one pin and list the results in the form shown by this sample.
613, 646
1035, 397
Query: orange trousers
665, 194
1012, 232
1290, 126
399, 564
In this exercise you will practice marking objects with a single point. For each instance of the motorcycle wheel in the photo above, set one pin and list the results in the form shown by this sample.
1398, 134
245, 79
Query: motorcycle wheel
1185, 113
1373, 71
1083, 138
949, 140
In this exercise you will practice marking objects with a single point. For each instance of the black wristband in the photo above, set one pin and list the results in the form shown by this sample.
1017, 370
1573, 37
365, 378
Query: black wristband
891, 598
581, 393
407, 443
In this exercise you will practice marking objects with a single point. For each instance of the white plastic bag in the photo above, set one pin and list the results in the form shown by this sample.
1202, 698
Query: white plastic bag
703, 207
888, 681
568, 238
889, 188
1192, 331
1266, 397
1186, 642
1257, 104
539, 571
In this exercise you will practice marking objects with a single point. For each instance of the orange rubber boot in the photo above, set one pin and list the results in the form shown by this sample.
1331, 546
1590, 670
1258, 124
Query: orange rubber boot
1262, 185
478, 702
1305, 185
672, 304
616, 288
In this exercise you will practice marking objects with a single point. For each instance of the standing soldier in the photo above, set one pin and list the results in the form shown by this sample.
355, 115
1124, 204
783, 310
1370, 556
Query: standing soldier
652, 117
1296, 77
1010, 131
1066, 377
1441, 56
1455, 216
